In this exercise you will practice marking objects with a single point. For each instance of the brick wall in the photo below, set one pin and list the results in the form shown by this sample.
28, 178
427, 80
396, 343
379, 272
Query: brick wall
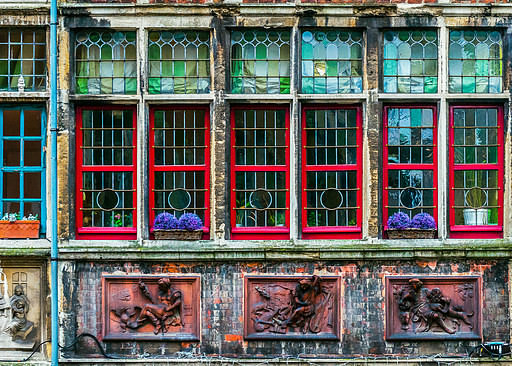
362, 308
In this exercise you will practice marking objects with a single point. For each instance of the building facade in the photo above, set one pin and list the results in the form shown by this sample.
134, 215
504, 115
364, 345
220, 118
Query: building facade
297, 131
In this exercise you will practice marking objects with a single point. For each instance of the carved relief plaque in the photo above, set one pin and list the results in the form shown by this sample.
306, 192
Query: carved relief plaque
292, 307
20, 308
440, 307
151, 307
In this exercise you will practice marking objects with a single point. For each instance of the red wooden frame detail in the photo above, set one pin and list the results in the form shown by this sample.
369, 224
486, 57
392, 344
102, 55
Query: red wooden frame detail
477, 231
106, 233
333, 232
255, 233
168, 168
386, 167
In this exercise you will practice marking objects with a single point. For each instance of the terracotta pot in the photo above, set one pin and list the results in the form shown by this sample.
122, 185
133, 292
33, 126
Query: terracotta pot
19, 229
411, 233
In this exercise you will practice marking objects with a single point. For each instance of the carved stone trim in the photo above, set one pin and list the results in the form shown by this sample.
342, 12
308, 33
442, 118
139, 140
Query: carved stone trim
433, 307
151, 307
292, 307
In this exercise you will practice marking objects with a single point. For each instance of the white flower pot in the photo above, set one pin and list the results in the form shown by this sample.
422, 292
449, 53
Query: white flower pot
475, 217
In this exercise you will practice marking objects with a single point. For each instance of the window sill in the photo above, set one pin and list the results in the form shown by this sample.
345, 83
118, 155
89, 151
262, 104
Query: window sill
476, 232
127, 233
338, 232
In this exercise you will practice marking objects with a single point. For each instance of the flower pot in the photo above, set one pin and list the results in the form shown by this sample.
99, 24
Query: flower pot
178, 234
19, 229
475, 216
411, 233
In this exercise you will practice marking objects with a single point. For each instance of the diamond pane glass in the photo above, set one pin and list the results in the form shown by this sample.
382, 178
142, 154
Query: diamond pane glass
260, 62
475, 61
332, 62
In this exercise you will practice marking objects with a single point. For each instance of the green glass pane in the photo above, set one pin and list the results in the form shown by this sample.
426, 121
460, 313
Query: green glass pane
455, 84
81, 86
468, 85
307, 85
468, 67
154, 68
390, 67
131, 85
179, 68
320, 85
332, 68
416, 67
307, 51
430, 84
179, 86
236, 86
167, 68
154, 85
106, 52
431, 67
154, 52
237, 68
284, 85
404, 85
482, 85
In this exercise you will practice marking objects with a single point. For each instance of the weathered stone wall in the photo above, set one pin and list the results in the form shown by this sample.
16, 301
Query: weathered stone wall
362, 307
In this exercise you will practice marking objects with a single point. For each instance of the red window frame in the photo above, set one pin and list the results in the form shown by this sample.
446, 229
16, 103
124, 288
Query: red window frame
333, 232
260, 232
477, 231
180, 168
407, 166
125, 233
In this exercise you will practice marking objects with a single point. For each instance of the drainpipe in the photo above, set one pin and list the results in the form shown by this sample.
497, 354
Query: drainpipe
53, 180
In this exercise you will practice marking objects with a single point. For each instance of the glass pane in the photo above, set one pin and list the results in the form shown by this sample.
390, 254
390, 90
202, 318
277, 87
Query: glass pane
11, 122
11, 153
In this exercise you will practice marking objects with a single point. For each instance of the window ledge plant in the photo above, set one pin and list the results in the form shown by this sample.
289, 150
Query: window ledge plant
13, 226
400, 226
167, 227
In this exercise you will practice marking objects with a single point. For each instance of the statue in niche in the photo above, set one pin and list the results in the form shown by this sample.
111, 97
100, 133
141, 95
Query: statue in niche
163, 311
19, 326
4, 297
429, 309
307, 308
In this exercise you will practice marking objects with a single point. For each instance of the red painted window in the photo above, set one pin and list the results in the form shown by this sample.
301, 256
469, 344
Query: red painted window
106, 172
410, 160
260, 172
476, 172
331, 172
179, 162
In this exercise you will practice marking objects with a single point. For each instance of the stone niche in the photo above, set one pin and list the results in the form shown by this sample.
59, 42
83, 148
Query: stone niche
151, 307
21, 299
292, 307
433, 307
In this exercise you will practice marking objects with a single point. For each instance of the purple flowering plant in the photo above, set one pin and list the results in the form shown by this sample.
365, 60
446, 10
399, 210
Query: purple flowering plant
399, 221
165, 221
190, 221
423, 221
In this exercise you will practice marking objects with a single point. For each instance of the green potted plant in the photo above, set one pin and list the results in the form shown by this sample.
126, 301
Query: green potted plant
13, 226
168, 227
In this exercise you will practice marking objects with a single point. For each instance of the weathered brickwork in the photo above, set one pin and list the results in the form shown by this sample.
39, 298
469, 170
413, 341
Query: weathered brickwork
362, 307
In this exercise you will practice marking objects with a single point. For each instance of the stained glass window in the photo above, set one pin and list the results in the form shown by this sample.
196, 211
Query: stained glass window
410, 61
476, 158
475, 61
260, 166
179, 161
179, 62
410, 160
106, 166
260, 62
106, 62
332, 168
332, 62
23, 52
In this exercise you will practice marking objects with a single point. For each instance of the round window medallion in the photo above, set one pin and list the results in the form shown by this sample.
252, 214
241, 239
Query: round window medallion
107, 199
331, 198
410, 197
476, 197
179, 199
260, 199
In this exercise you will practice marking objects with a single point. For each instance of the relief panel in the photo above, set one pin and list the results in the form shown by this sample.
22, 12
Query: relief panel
151, 307
292, 307
20, 308
434, 307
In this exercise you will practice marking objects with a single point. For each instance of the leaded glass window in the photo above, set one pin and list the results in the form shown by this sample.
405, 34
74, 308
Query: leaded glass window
475, 61
179, 161
23, 53
179, 62
332, 140
106, 62
332, 62
22, 173
476, 158
260, 165
410, 160
106, 169
260, 62
410, 61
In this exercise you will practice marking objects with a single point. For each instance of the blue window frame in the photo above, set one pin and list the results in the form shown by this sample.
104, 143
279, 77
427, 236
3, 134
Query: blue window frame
22, 161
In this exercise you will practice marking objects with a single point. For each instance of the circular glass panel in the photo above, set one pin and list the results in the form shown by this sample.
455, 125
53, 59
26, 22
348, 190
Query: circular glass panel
331, 198
476, 197
179, 199
410, 197
260, 199
107, 199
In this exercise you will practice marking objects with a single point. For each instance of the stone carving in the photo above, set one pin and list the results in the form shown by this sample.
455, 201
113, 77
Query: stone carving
149, 306
292, 307
19, 326
432, 308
